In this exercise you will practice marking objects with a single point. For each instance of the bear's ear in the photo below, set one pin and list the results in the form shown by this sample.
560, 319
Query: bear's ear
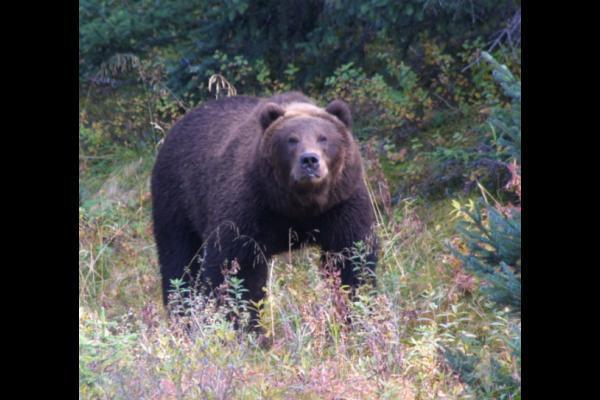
340, 110
269, 113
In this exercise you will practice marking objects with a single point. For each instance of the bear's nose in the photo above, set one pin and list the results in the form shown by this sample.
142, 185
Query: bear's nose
309, 161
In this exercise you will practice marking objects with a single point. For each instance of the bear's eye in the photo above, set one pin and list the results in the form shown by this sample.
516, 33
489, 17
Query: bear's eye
322, 139
293, 140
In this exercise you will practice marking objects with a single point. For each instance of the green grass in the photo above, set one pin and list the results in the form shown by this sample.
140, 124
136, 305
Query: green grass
391, 350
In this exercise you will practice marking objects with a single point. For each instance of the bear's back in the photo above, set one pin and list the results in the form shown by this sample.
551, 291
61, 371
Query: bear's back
213, 122
205, 152
205, 133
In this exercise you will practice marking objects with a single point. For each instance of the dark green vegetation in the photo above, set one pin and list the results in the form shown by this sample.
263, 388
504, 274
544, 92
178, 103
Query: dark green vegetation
439, 124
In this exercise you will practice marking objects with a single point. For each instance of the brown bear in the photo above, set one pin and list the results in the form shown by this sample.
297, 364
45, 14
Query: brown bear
237, 178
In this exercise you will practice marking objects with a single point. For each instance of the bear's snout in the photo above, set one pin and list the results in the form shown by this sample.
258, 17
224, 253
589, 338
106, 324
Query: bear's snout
309, 170
309, 162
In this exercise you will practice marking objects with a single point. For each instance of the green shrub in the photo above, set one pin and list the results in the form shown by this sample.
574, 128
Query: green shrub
379, 109
316, 37
486, 152
103, 352
491, 250
136, 115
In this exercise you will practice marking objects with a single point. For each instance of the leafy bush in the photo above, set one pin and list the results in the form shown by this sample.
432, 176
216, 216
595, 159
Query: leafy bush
140, 115
493, 233
380, 110
486, 158
103, 346
491, 249
312, 38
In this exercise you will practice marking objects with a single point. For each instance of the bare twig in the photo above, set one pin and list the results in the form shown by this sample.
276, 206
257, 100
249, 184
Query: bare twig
511, 34
446, 102
219, 83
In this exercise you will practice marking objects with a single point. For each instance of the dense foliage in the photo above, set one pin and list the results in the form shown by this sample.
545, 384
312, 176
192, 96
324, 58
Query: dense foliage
297, 42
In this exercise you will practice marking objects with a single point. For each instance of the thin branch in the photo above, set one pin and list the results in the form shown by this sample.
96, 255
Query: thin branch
445, 102
513, 27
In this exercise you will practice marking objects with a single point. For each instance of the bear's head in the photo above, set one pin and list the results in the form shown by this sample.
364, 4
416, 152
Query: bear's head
310, 154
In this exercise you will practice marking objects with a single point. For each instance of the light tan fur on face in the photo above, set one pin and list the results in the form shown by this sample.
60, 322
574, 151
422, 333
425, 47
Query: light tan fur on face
297, 109
307, 110
302, 109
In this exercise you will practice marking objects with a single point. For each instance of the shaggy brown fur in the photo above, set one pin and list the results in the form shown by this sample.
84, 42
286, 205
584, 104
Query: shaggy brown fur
236, 175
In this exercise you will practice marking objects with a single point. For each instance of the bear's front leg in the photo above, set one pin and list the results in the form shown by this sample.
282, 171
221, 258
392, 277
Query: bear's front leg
356, 266
239, 258
254, 275
349, 242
